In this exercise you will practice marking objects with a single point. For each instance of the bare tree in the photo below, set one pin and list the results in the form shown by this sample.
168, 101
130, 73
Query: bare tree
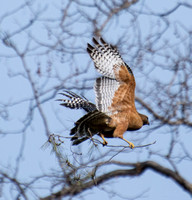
43, 51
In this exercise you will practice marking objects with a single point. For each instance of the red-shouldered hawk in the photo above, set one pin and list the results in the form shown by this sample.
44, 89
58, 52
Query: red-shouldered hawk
115, 110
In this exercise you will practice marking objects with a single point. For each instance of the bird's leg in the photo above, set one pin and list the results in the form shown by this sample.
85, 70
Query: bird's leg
131, 145
119, 130
104, 141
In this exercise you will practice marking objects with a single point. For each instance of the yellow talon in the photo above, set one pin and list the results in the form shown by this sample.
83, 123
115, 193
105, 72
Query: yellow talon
104, 141
131, 145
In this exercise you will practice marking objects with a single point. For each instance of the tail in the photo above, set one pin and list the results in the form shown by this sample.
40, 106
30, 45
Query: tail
89, 125
76, 102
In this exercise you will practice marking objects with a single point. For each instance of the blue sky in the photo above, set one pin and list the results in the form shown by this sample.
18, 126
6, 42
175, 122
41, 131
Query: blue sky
22, 149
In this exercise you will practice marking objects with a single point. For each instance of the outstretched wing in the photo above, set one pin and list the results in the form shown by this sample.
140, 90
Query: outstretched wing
115, 92
107, 60
76, 102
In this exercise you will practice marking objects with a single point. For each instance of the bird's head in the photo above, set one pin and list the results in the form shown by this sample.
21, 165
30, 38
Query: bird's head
144, 119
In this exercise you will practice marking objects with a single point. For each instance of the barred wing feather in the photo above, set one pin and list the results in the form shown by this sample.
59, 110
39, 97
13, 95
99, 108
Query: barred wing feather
105, 89
105, 57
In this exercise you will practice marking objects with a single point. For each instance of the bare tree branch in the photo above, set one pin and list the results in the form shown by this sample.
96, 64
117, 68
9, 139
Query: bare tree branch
137, 170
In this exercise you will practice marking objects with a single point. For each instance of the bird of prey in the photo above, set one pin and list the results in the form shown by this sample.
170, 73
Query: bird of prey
115, 111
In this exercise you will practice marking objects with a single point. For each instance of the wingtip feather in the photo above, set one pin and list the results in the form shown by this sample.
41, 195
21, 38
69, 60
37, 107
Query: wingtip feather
102, 41
95, 41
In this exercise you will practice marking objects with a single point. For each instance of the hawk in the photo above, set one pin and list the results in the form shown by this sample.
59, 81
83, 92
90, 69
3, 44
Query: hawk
115, 111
